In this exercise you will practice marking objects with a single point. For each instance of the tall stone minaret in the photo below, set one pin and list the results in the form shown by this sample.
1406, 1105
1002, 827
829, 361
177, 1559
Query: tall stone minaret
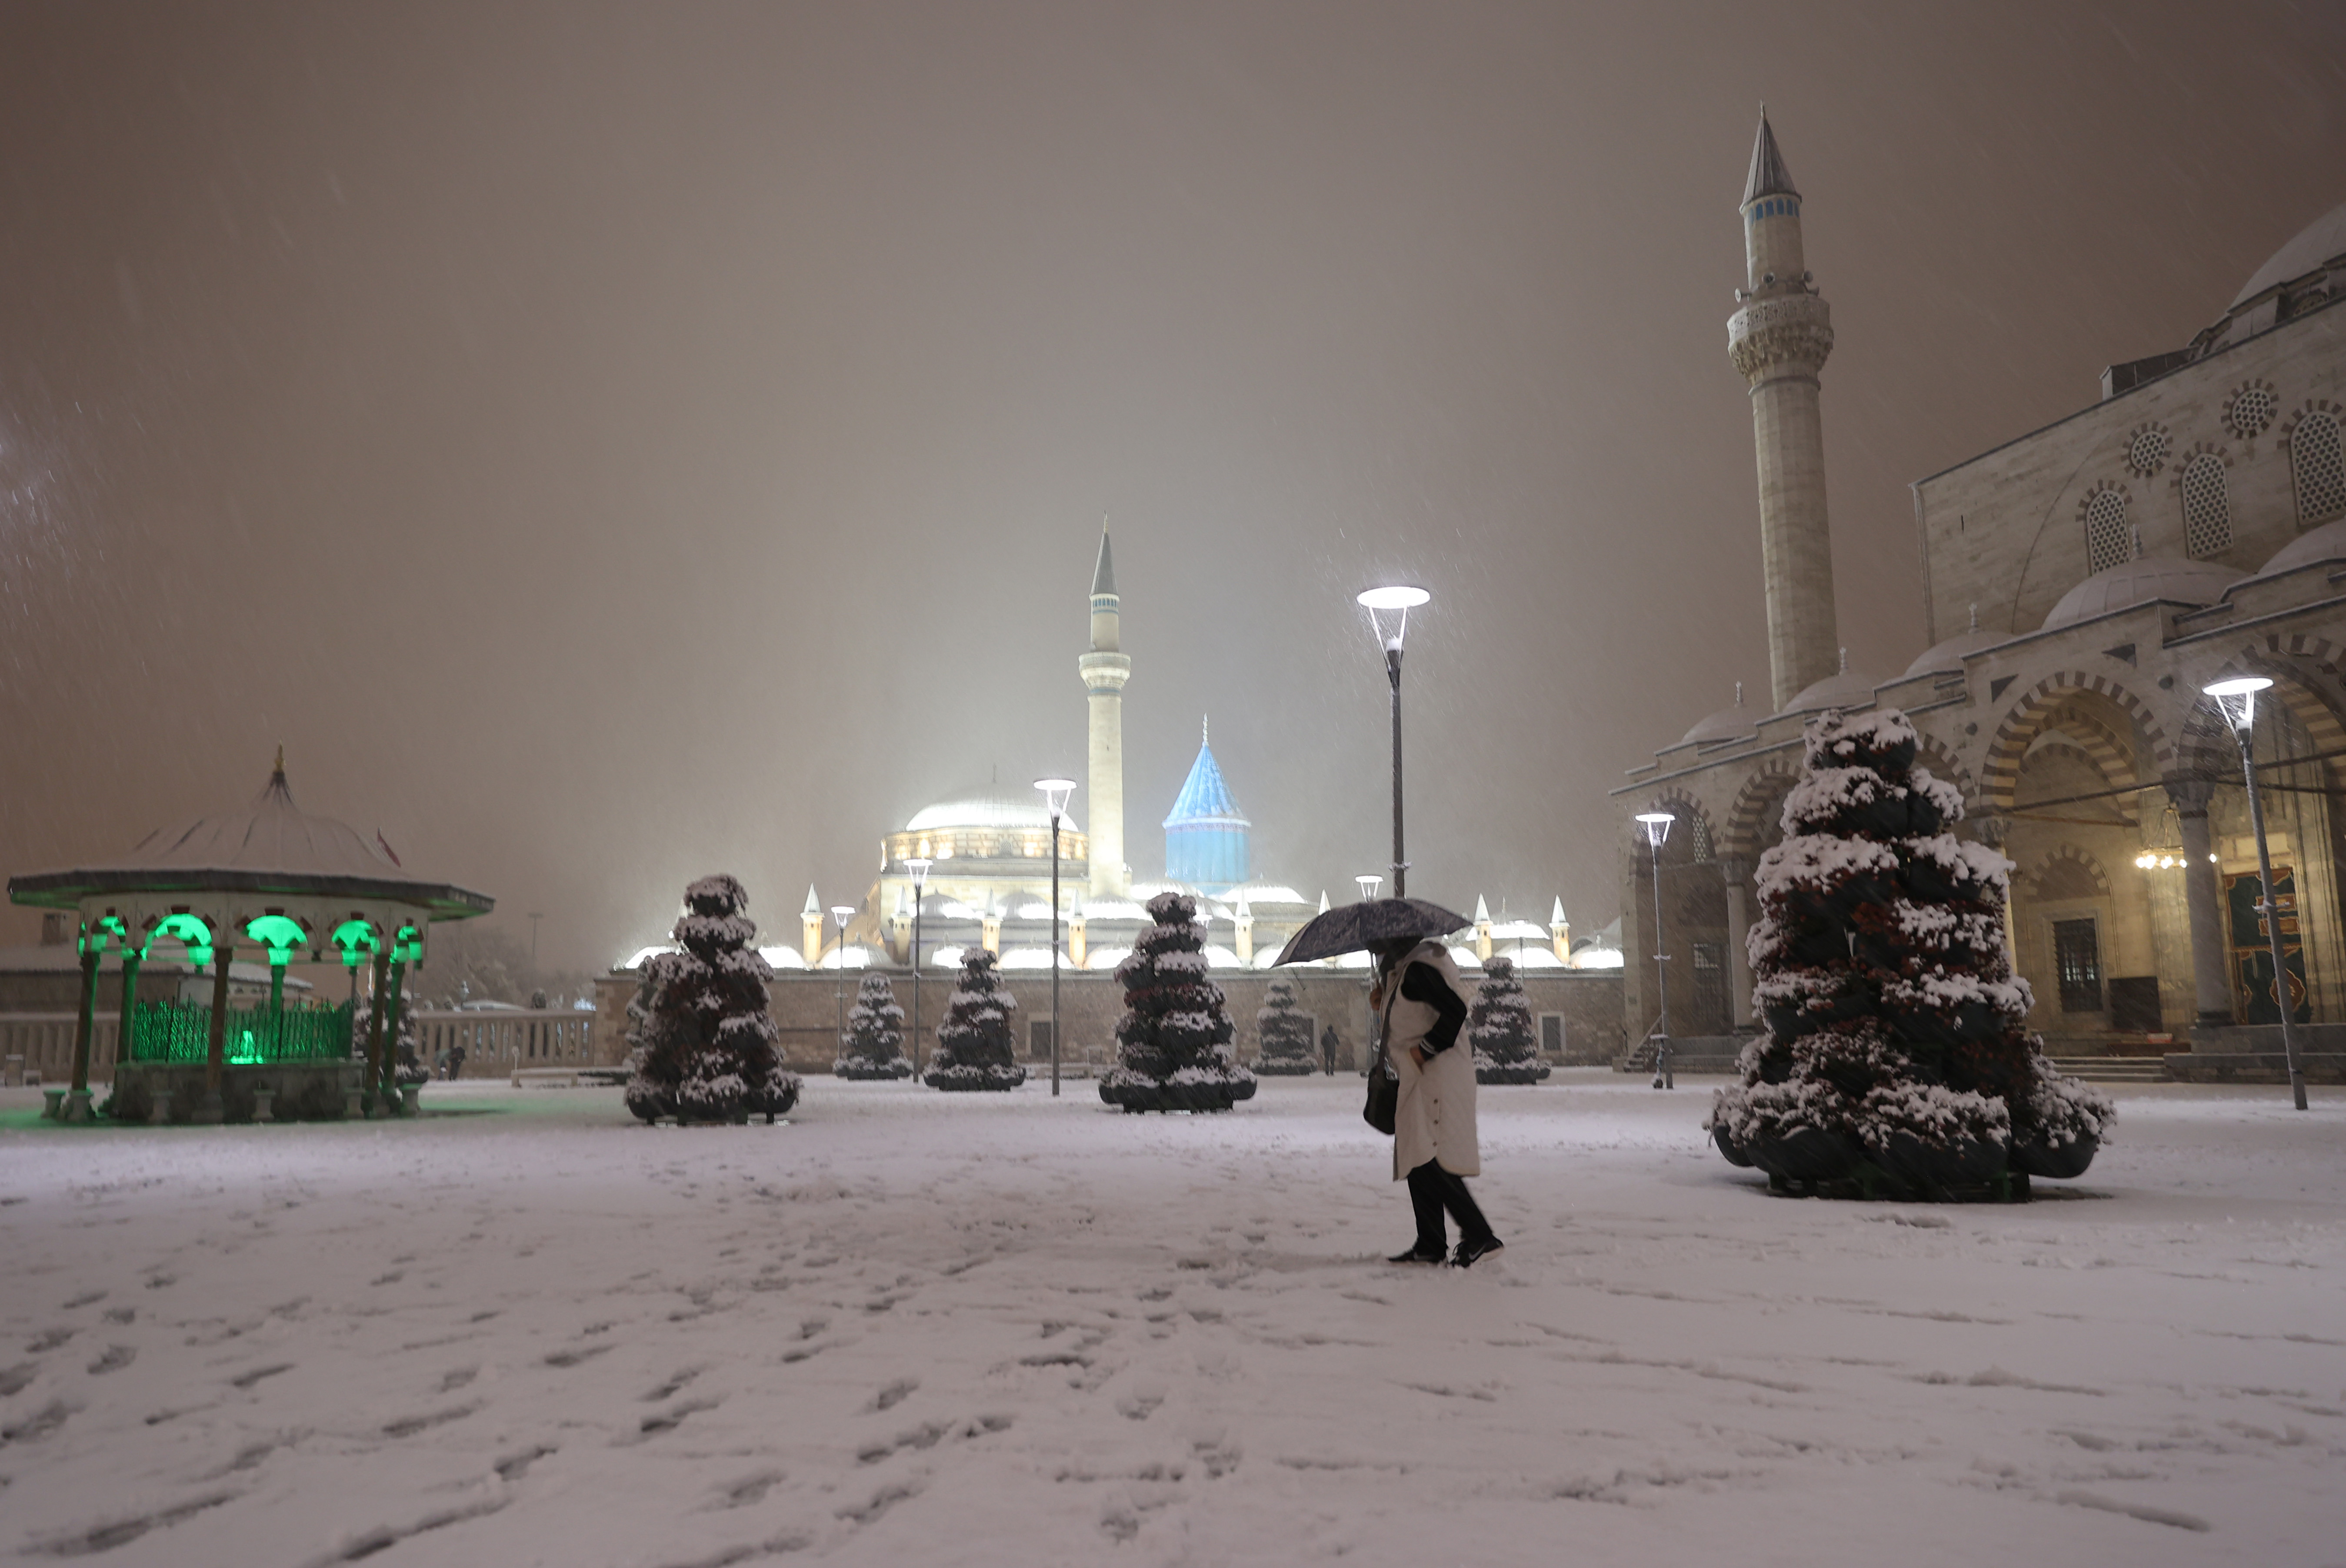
1778, 340
1104, 671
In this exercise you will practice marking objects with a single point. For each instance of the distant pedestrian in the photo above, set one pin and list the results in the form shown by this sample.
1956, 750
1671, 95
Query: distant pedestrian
1421, 1004
455, 1063
1328, 1049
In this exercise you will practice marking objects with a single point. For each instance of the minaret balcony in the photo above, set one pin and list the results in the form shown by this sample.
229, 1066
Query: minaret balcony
1782, 331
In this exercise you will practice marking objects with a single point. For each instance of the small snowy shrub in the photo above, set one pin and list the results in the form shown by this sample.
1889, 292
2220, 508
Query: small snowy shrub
703, 1047
1880, 963
1284, 1030
974, 1048
1500, 1029
1173, 1042
408, 1067
875, 1046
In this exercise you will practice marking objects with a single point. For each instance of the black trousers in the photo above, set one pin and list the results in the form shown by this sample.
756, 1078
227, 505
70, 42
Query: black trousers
1433, 1189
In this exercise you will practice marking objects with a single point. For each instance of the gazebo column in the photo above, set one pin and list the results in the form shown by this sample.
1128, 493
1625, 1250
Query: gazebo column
390, 1027
77, 1105
125, 1032
2210, 984
216, 1057
1737, 870
374, 1072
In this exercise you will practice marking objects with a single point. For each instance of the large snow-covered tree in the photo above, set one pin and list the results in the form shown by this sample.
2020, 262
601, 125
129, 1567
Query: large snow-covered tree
1896, 1061
1283, 1033
704, 1048
875, 1046
1500, 1028
1173, 1042
407, 1065
975, 1046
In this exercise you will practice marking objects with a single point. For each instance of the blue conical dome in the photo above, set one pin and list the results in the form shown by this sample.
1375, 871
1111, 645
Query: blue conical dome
1206, 835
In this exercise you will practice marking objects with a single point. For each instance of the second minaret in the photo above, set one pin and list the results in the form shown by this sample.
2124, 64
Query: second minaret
1104, 671
1778, 340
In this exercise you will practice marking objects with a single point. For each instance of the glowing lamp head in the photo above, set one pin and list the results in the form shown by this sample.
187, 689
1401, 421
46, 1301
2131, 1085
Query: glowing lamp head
918, 865
1389, 609
1369, 886
843, 913
1056, 793
1657, 825
2236, 698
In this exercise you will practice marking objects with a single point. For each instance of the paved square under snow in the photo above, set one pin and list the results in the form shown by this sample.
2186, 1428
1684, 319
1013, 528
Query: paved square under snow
912, 1328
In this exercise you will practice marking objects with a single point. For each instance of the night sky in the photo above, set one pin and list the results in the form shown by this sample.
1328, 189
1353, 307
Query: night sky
609, 444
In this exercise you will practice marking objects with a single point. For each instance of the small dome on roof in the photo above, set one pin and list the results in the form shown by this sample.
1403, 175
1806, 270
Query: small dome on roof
1726, 724
984, 806
2327, 543
2139, 581
1947, 658
2319, 241
1845, 689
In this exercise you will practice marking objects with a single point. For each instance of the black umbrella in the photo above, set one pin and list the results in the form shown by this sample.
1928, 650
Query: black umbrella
1351, 928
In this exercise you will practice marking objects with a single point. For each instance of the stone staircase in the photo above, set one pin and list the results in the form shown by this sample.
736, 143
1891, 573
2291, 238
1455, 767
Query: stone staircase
2112, 1069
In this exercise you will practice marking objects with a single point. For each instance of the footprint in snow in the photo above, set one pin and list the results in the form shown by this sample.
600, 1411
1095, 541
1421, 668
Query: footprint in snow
115, 1358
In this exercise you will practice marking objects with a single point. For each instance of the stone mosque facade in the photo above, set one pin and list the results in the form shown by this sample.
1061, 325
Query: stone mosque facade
2079, 586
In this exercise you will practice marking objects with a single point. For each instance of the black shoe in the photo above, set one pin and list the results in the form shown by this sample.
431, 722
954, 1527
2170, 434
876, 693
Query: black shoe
1468, 1251
1418, 1254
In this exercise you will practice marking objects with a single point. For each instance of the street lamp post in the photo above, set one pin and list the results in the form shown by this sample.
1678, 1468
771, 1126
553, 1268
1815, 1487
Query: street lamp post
1056, 792
840, 915
2238, 700
1369, 885
919, 866
1658, 828
1395, 602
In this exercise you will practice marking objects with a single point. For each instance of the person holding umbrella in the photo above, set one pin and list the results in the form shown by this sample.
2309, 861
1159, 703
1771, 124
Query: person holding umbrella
1422, 1002
1424, 1006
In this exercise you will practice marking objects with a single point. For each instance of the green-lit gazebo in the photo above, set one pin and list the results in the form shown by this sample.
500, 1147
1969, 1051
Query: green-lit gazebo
273, 878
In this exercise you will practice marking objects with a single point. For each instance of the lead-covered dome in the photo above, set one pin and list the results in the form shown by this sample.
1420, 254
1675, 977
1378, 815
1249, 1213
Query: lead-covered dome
2327, 543
1845, 689
1947, 658
984, 807
1726, 724
2140, 581
2323, 240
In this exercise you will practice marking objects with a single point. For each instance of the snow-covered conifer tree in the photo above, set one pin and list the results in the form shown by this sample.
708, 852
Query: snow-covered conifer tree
975, 1048
704, 1046
1895, 1059
1284, 1033
1173, 1042
1499, 1027
406, 1067
874, 1047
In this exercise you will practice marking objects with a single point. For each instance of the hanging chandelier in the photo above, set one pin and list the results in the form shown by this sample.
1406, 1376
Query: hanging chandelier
2164, 856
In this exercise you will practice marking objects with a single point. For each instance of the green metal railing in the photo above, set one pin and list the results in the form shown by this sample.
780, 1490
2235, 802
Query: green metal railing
183, 1031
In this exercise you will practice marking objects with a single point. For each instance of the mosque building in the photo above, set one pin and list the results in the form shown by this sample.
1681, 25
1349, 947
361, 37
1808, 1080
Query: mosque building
2080, 585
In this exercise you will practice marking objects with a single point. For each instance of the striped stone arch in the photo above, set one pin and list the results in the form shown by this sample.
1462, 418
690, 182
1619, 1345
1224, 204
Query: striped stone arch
2063, 857
2305, 670
1761, 796
1701, 844
1933, 753
2028, 714
2111, 753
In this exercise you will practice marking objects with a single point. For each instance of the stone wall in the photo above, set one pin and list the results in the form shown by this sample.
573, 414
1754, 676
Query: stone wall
805, 1008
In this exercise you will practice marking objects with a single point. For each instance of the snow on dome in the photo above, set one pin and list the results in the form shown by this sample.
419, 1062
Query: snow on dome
2139, 581
1845, 689
1256, 893
1034, 958
1947, 658
642, 955
1106, 957
946, 957
1727, 724
1220, 957
2322, 240
1267, 956
1533, 958
1597, 958
2327, 543
1508, 930
1352, 961
777, 957
849, 957
984, 807
1113, 909
1464, 955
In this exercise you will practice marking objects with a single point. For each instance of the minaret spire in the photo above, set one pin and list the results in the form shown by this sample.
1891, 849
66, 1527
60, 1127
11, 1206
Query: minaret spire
1105, 669
1778, 339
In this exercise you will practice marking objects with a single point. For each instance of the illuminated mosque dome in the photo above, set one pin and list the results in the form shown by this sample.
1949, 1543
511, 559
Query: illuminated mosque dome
1206, 835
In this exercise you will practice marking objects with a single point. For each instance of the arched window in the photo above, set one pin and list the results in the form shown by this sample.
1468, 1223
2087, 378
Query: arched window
2105, 530
2313, 453
2206, 509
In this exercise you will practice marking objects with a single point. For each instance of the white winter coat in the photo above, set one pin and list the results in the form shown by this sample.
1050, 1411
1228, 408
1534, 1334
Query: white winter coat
1435, 1120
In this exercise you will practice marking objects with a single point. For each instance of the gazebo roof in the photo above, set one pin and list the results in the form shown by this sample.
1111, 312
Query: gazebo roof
270, 846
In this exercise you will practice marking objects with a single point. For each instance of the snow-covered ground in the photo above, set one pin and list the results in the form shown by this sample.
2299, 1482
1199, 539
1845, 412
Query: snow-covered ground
912, 1328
